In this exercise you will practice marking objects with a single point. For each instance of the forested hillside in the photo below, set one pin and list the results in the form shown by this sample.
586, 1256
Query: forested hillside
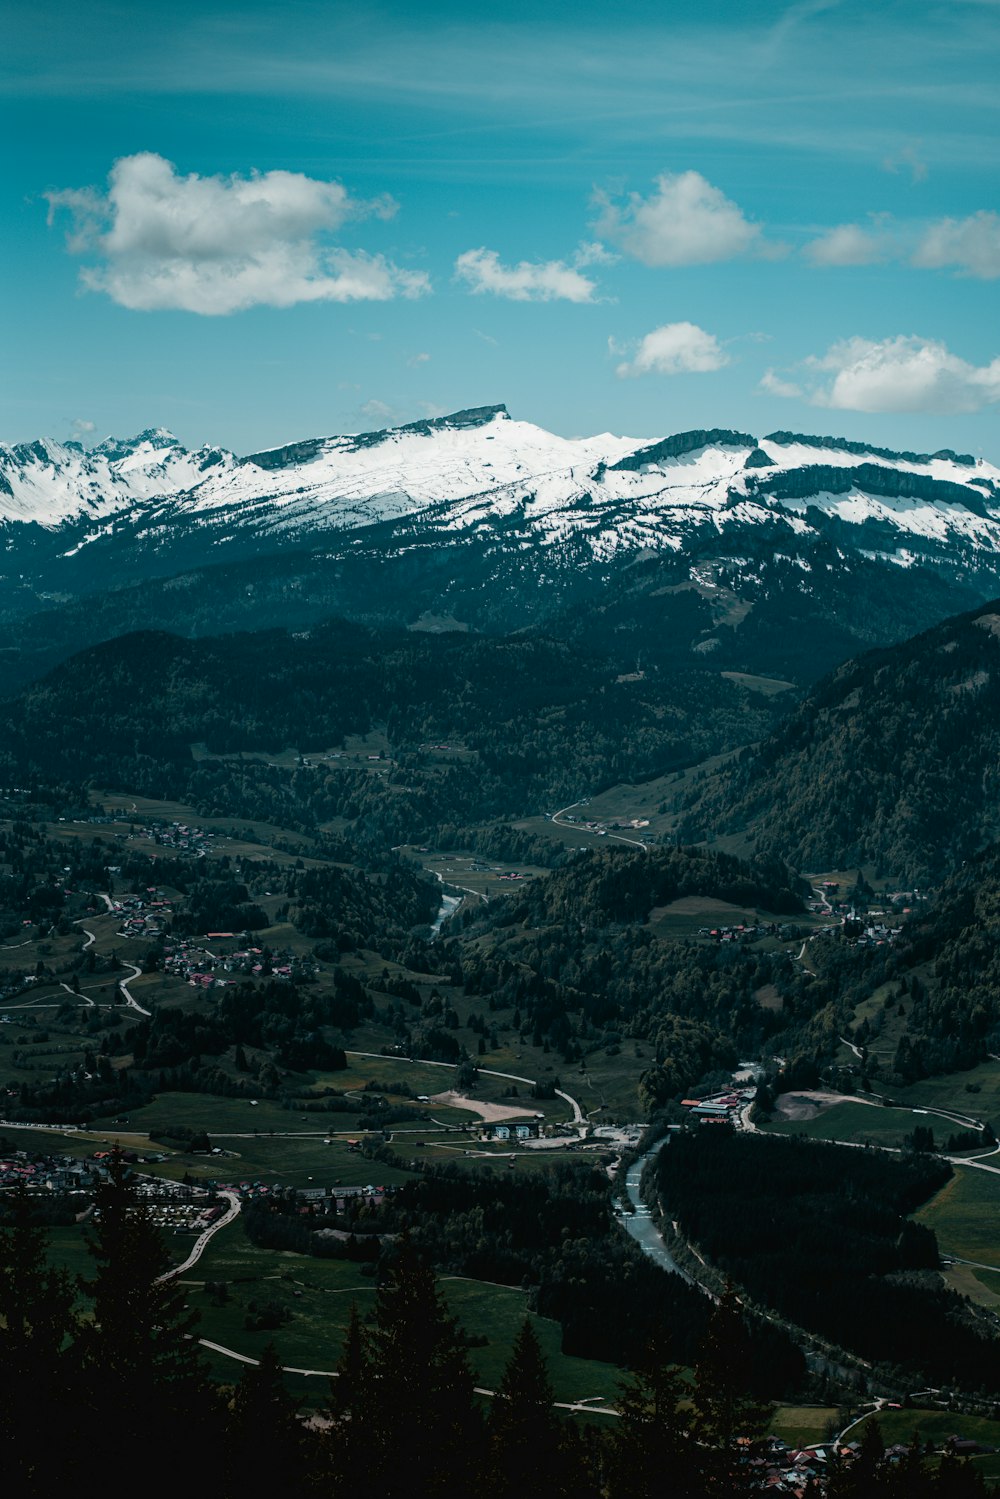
586, 972
940, 979
526, 720
890, 761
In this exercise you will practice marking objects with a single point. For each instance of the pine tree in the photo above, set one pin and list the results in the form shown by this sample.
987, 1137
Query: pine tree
525, 1457
351, 1368
347, 1448
725, 1415
143, 1374
267, 1440
957, 1479
652, 1450
860, 1477
37, 1364
423, 1434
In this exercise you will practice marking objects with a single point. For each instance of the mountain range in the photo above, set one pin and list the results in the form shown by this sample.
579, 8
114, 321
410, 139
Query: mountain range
779, 555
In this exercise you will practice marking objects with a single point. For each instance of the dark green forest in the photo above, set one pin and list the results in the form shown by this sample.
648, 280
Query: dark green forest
890, 761
819, 1232
536, 721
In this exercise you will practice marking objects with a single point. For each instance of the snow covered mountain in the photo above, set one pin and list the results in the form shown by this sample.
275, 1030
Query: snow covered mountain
479, 469
724, 541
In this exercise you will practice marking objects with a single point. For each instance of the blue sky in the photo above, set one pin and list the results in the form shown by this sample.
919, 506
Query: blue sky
251, 224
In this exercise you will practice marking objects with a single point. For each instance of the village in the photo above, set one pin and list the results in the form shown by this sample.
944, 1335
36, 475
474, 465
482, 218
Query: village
72, 1181
725, 1107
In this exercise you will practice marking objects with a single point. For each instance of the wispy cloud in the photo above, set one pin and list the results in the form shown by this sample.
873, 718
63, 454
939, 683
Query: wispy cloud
907, 158
375, 410
774, 385
738, 75
902, 374
674, 349
214, 245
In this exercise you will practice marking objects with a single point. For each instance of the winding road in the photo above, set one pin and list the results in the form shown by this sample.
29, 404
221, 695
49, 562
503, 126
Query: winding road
130, 999
203, 1239
589, 1405
557, 818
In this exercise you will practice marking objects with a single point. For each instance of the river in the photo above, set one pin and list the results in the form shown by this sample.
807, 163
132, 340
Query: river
449, 905
641, 1226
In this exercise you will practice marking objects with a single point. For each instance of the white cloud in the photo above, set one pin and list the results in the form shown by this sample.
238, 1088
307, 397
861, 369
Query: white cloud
416, 359
81, 426
848, 244
774, 385
971, 245
219, 244
528, 281
686, 221
905, 373
674, 349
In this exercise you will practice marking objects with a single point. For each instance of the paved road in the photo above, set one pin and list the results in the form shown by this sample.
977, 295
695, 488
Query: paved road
838, 1439
202, 1241
558, 816
593, 1404
132, 1002
77, 994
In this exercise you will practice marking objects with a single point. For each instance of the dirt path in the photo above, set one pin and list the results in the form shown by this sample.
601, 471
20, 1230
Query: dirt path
491, 1112
808, 1103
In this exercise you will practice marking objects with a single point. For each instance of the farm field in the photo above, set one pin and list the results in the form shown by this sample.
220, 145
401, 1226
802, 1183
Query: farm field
801, 1425
975, 1093
68, 1249
685, 917
855, 1123
480, 875
317, 1295
964, 1216
937, 1426
981, 1286
657, 799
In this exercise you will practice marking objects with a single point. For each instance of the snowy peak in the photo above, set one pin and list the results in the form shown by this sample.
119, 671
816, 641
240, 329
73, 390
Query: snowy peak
679, 446
154, 439
54, 484
313, 447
